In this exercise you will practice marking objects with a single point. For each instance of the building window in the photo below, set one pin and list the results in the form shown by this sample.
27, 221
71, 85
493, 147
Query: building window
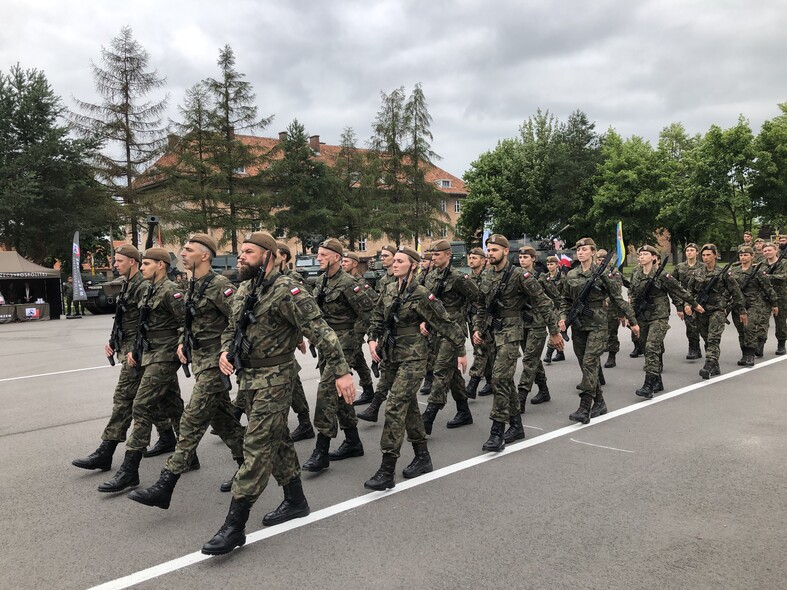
428, 233
355, 177
362, 245
241, 170
444, 232
442, 205
443, 183
457, 206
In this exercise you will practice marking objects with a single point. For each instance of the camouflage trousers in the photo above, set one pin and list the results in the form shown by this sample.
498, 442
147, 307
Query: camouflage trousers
446, 375
711, 326
748, 335
300, 404
386, 380
613, 324
122, 403
432, 344
483, 360
158, 390
692, 330
331, 412
588, 347
781, 319
505, 402
267, 448
209, 405
652, 334
360, 366
401, 410
532, 367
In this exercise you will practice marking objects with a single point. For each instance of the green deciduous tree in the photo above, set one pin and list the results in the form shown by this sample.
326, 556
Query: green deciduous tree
355, 191
769, 186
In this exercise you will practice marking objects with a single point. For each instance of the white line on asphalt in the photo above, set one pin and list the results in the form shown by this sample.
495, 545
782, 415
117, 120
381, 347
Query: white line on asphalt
533, 427
266, 533
55, 373
599, 446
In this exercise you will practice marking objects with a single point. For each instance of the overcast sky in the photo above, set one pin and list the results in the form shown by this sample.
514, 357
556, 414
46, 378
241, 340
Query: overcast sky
485, 65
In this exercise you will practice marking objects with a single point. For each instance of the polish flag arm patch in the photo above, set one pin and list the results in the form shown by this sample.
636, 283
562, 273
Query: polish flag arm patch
295, 290
227, 292
177, 295
356, 288
432, 297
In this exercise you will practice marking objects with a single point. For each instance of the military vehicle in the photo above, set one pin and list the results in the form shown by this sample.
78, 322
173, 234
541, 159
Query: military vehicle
307, 266
227, 265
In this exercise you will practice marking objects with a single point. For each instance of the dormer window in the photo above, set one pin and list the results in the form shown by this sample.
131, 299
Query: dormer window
444, 183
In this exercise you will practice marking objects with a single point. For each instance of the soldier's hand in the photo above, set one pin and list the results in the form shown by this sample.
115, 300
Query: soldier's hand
680, 315
687, 309
557, 342
775, 311
373, 351
130, 360
225, 366
461, 364
181, 356
424, 331
562, 325
302, 346
635, 331
744, 319
699, 309
477, 339
108, 350
346, 388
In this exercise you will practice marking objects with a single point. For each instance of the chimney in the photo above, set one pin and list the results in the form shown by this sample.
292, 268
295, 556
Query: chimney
314, 143
282, 135
231, 133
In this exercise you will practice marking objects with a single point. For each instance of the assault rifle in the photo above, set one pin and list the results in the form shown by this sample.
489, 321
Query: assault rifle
320, 299
116, 335
141, 343
389, 334
241, 345
189, 341
644, 300
579, 308
710, 286
493, 321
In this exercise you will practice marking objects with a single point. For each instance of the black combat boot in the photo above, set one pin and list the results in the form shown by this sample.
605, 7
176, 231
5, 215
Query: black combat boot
748, 357
560, 356
486, 389
495, 443
522, 399
367, 395
319, 459
304, 429
706, 370
351, 447
233, 532
601, 379
742, 361
472, 387
226, 486
127, 476
636, 352
694, 351
463, 415
599, 407
193, 464
610, 361
760, 351
659, 386
780, 350
426, 388
101, 458
548, 355
715, 369
160, 493
515, 430
542, 395
294, 505
583, 411
372, 411
648, 387
165, 444
421, 463
384, 478
430, 413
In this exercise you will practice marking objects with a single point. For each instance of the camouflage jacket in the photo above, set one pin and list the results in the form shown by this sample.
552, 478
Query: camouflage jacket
285, 313
458, 291
778, 278
213, 309
683, 272
384, 281
346, 307
553, 286
418, 305
134, 293
607, 292
297, 277
664, 288
167, 311
725, 292
758, 290
522, 290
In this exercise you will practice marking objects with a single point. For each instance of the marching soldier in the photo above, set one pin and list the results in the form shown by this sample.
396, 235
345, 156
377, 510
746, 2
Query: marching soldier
163, 303
404, 305
425, 267
535, 335
758, 255
613, 343
552, 282
284, 313
506, 290
591, 337
683, 273
777, 274
209, 304
649, 296
711, 322
482, 358
345, 306
456, 291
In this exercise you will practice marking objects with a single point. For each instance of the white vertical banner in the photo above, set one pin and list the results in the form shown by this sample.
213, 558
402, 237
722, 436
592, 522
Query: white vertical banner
76, 271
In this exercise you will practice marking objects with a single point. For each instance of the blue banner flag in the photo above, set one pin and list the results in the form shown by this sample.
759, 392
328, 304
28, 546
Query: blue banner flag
620, 245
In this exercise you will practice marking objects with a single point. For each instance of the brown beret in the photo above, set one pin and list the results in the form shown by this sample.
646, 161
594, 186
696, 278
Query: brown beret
771, 244
553, 259
440, 246
477, 252
130, 251
426, 255
585, 242
601, 253
157, 254
746, 250
283, 246
759, 240
262, 239
206, 241
410, 252
351, 256
692, 245
498, 240
711, 247
648, 248
390, 248
529, 250
333, 245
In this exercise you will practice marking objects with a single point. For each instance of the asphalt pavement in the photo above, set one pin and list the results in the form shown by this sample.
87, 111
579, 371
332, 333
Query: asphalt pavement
687, 490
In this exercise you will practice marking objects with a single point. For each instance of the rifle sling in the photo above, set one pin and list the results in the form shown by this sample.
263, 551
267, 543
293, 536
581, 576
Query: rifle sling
407, 330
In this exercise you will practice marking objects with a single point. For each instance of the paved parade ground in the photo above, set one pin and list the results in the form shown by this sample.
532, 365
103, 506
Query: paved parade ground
685, 491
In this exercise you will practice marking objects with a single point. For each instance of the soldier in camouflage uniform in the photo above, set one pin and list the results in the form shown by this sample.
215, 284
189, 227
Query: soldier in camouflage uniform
425, 267
284, 313
406, 359
166, 304
712, 321
127, 259
456, 291
482, 356
507, 290
552, 282
209, 298
654, 307
760, 301
350, 262
535, 335
683, 272
777, 273
591, 334
345, 306
758, 255
371, 413
613, 343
